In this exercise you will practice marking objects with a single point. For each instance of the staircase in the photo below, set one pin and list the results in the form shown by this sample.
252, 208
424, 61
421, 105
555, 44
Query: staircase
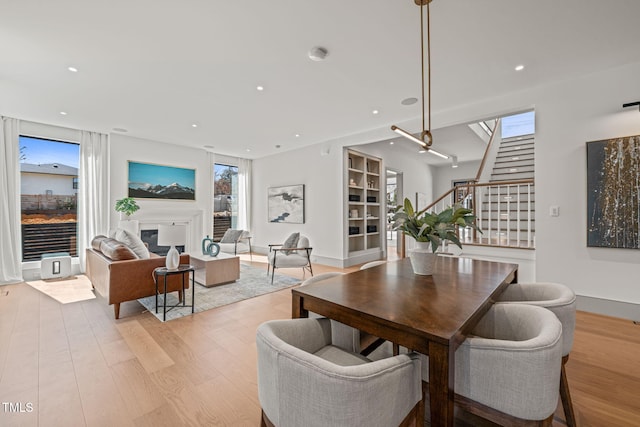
506, 212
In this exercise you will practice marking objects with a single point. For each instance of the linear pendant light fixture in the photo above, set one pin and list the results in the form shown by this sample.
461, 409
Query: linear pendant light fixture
425, 139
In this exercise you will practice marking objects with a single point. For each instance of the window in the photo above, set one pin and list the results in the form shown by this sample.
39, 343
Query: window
518, 125
48, 203
225, 199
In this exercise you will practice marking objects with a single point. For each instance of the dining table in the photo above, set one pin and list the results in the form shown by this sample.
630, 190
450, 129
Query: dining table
431, 314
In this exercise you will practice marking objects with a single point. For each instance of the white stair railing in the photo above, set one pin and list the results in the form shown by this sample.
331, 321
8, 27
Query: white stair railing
505, 212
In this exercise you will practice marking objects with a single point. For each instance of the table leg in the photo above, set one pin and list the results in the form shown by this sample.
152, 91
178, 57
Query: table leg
164, 299
193, 291
441, 380
155, 276
184, 299
297, 309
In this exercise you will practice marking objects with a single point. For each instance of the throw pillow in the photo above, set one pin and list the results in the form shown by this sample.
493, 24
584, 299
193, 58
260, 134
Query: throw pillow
231, 236
116, 251
133, 242
291, 242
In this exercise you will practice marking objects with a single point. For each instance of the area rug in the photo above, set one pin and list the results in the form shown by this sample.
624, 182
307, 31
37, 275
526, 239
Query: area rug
252, 283
67, 290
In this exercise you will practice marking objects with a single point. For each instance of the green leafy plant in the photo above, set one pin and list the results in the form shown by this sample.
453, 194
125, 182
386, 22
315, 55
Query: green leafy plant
430, 227
127, 206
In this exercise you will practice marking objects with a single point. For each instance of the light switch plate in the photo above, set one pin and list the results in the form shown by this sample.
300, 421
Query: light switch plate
554, 210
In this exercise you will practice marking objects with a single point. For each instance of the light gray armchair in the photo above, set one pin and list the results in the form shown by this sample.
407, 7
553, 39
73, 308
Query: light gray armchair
303, 380
509, 367
295, 252
561, 300
235, 242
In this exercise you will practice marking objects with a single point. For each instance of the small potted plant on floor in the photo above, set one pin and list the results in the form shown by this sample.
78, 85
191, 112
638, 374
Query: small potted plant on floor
430, 230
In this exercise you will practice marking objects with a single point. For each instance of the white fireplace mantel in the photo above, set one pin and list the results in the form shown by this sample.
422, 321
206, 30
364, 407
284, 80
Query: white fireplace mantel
149, 219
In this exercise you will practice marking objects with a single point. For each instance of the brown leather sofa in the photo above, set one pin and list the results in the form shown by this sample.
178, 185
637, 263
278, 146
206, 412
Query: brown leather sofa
119, 275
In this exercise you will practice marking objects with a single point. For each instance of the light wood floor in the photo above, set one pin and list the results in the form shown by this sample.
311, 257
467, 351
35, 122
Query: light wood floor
78, 366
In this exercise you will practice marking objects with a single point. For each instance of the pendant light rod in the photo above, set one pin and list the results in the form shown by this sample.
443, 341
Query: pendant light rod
426, 139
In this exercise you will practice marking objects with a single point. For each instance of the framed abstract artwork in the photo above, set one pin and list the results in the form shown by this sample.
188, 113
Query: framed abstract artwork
149, 181
613, 187
286, 204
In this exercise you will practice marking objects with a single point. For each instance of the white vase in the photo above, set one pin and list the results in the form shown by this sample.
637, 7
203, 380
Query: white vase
422, 259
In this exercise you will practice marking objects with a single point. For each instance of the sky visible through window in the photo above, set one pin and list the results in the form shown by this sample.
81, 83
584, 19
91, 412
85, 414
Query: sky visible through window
518, 125
43, 151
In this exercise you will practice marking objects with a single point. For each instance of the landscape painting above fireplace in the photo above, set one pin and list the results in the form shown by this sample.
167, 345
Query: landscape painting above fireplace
149, 181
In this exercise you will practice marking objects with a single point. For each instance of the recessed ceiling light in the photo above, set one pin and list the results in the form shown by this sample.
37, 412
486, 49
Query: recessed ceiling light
64, 113
120, 130
391, 142
519, 67
409, 101
374, 112
260, 88
297, 135
248, 150
73, 69
194, 125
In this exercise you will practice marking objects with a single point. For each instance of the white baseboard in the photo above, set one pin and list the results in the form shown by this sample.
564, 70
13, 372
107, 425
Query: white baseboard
623, 310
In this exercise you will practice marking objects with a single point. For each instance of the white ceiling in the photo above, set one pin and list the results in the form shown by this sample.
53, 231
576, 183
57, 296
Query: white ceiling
155, 67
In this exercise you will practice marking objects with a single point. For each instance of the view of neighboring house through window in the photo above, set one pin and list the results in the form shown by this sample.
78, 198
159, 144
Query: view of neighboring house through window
225, 199
49, 196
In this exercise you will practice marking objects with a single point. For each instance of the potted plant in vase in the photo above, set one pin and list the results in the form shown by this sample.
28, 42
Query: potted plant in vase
128, 207
431, 229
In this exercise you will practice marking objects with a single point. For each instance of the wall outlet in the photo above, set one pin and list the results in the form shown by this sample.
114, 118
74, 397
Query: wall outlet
554, 210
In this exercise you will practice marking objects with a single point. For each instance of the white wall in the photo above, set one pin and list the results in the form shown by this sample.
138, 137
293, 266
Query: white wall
444, 175
568, 115
125, 148
39, 183
321, 174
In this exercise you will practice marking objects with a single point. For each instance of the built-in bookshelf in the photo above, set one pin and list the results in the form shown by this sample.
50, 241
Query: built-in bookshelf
364, 201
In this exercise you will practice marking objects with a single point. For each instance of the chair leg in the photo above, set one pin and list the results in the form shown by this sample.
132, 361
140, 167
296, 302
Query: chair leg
567, 405
273, 272
116, 310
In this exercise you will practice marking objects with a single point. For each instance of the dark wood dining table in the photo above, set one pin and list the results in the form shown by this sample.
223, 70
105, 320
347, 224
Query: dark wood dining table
428, 314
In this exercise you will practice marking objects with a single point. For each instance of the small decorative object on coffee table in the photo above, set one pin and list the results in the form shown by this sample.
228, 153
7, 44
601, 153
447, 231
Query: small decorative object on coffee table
182, 269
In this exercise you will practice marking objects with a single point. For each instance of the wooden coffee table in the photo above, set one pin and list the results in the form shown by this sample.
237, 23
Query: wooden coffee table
218, 270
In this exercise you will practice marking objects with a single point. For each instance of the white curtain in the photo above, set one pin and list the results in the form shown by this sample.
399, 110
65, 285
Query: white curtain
244, 194
10, 229
93, 200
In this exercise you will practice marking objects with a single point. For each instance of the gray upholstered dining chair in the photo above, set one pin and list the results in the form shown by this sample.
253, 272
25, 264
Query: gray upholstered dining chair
343, 336
561, 300
295, 252
303, 380
509, 366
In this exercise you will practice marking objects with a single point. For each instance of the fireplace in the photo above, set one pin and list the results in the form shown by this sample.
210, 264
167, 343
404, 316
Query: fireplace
150, 237
192, 219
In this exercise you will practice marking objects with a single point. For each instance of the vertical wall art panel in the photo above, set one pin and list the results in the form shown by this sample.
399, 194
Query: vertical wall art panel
286, 204
613, 186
